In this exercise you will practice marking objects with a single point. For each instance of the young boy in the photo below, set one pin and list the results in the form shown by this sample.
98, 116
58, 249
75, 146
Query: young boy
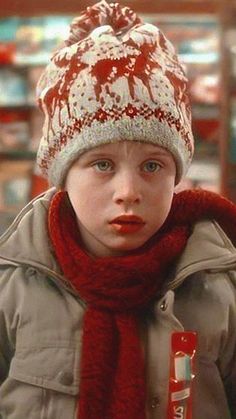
97, 273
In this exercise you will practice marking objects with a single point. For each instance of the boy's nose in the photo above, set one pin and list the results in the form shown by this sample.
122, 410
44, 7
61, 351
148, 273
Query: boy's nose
127, 191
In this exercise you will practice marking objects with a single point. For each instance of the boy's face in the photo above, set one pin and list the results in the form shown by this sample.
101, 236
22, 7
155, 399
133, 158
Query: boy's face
131, 180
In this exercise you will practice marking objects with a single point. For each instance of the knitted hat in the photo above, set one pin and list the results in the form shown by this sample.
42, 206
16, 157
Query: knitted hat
116, 79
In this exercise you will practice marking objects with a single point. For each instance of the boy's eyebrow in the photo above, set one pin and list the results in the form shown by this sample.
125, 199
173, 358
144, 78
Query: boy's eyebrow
158, 153
98, 154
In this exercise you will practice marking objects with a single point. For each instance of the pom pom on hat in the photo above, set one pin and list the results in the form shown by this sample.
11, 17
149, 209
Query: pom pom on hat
116, 79
121, 19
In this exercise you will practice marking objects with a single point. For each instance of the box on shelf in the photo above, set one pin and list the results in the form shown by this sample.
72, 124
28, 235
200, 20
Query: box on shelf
15, 185
206, 130
7, 53
8, 29
14, 130
13, 87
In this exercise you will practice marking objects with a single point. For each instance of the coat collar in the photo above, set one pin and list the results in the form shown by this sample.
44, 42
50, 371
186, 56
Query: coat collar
208, 248
26, 241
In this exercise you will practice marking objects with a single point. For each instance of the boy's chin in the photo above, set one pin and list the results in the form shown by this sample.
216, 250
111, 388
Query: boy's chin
127, 248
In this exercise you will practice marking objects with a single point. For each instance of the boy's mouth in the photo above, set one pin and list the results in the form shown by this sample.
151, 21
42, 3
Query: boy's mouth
127, 224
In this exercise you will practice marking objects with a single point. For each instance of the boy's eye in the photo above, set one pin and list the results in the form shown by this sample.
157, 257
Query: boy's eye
103, 166
151, 166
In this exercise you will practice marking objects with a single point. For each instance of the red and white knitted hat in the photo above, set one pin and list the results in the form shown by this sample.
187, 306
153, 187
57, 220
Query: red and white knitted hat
116, 79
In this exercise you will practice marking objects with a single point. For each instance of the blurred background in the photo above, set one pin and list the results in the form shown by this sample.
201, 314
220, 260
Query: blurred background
204, 34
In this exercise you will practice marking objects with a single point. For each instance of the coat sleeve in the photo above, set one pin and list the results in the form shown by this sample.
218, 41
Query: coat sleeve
9, 314
227, 360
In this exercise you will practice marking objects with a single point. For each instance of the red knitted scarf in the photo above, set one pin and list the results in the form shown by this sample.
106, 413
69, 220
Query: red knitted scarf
116, 289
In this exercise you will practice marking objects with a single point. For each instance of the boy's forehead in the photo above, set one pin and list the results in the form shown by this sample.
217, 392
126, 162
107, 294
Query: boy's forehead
127, 147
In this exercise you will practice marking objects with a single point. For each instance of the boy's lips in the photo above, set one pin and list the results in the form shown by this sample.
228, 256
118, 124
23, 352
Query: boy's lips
127, 223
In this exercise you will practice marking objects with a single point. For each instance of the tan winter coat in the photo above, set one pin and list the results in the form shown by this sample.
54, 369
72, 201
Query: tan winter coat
41, 323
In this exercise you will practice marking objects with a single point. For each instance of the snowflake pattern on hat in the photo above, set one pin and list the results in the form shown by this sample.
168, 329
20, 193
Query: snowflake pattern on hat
116, 79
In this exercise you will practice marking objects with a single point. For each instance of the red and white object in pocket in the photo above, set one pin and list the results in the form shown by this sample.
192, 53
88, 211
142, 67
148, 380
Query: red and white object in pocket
182, 373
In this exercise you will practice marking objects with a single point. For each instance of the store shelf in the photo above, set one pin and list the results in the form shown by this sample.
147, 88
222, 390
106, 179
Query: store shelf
17, 154
228, 88
17, 106
205, 111
204, 58
23, 61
